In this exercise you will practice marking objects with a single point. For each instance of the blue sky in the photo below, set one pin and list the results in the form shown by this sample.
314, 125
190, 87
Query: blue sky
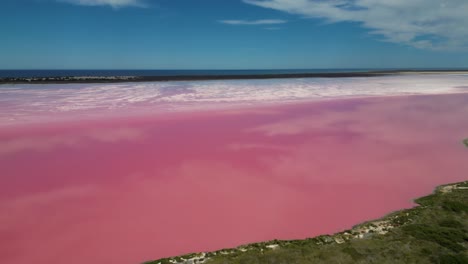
232, 34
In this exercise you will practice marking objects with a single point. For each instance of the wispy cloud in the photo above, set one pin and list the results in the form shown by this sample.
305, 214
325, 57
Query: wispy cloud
254, 22
112, 3
426, 24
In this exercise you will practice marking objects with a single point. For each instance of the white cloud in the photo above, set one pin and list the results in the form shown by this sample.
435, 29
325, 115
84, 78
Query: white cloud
112, 3
254, 22
427, 24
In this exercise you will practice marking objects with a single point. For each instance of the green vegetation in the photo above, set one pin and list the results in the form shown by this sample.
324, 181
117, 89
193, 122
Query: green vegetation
447, 237
434, 232
465, 141
455, 206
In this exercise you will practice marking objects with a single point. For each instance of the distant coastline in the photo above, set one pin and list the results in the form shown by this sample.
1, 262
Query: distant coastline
205, 76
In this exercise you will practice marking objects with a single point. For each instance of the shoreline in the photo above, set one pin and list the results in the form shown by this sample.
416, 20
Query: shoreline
136, 118
125, 79
143, 116
368, 229
275, 156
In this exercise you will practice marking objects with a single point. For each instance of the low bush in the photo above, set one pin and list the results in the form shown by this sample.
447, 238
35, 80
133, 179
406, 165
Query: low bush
355, 255
451, 223
452, 259
444, 236
455, 206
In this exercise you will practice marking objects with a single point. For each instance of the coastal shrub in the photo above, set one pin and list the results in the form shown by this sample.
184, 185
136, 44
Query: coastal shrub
455, 206
426, 251
427, 200
401, 220
452, 259
444, 236
355, 255
452, 223
465, 142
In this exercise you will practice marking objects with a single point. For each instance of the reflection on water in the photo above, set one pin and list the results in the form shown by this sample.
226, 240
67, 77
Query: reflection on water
130, 190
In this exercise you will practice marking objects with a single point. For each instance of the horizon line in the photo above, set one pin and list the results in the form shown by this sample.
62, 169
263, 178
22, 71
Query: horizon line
240, 69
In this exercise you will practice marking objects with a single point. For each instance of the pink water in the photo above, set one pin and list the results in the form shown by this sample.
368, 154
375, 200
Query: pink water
135, 189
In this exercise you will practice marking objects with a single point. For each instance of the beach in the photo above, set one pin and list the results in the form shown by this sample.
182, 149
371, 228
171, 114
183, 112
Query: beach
126, 174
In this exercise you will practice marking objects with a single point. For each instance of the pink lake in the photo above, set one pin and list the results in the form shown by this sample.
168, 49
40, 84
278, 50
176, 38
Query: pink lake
132, 189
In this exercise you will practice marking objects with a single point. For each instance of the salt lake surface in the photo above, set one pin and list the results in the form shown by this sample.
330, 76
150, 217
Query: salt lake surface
161, 169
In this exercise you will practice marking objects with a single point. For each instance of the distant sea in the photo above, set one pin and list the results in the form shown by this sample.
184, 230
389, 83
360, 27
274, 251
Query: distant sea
64, 73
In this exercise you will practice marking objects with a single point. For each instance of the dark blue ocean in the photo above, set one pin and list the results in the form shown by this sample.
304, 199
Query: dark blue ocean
77, 73
63, 73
